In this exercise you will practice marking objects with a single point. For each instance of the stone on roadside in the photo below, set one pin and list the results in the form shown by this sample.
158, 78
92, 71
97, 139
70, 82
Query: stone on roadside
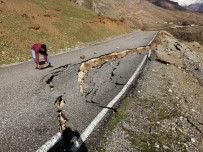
156, 145
193, 140
170, 91
82, 56
165, 147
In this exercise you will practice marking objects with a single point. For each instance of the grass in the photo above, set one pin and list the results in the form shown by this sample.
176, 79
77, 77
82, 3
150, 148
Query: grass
143, 139
120, 115
159, 111
62, 24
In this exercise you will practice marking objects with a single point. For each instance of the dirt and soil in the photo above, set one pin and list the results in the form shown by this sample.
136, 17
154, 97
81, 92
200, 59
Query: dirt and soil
164, 111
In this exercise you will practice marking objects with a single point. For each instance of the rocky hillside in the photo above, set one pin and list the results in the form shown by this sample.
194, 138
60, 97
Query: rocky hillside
187, 2
197, 7
167, 4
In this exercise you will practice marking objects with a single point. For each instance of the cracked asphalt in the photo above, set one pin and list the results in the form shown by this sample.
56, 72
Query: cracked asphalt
28, 116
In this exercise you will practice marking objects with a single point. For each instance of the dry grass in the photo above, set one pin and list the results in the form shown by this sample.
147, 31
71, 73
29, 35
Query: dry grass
145, 15
59, 24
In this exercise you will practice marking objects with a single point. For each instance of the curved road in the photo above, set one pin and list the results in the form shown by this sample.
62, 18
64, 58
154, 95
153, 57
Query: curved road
28, 116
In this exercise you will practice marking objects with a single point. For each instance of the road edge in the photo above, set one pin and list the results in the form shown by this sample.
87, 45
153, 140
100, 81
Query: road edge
49, 144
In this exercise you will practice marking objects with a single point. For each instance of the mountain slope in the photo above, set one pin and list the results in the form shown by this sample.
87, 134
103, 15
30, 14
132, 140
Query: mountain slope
167, 4
144, 14
187, 2
197, 7
193, 5
60, 24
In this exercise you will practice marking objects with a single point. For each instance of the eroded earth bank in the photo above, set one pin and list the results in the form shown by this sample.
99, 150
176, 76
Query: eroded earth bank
164, 111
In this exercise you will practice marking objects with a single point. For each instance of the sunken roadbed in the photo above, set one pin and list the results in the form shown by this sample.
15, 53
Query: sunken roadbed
29, 118
99, 81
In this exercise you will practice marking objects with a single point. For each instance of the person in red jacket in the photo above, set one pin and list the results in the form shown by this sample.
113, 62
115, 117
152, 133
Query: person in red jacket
37, 49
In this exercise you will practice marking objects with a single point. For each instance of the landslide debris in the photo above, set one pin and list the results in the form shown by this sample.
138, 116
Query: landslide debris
164, 112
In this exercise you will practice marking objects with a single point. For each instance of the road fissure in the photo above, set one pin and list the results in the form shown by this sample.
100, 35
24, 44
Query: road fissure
100, 61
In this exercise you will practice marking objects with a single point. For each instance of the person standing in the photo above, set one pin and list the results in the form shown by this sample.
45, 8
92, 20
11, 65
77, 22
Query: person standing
37, 49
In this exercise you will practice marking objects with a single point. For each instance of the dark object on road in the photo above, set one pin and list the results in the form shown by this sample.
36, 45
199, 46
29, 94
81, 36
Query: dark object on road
69, 136
162, 61
43, 65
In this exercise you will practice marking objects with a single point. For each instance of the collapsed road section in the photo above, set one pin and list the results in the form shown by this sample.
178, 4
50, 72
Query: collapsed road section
86, 66
89, 86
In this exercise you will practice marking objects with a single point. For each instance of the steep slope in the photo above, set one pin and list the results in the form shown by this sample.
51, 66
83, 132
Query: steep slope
193, 5
60, 24
187, 2
167, 4
197, 7
144, 14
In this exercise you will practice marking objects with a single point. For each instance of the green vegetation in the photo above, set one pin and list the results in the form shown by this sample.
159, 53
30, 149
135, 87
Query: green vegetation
151, 131
59, 24
119, 116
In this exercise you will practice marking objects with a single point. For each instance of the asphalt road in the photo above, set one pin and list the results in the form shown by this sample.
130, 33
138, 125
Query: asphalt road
28, 116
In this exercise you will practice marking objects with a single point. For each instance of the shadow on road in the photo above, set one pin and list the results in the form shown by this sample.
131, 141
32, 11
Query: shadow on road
66, 142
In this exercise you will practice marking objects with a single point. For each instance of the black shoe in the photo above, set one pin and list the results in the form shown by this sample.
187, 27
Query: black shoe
50, 66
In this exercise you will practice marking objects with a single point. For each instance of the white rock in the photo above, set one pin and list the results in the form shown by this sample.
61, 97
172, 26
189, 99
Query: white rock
185, 145
181, 118
193, 140
170, 91
156, 145
165, 147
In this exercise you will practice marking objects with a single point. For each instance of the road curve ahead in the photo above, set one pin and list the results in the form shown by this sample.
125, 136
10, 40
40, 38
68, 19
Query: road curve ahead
28, 116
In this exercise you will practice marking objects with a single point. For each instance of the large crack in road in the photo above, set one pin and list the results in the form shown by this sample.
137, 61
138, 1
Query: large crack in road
103, 78
100, 61
92, 75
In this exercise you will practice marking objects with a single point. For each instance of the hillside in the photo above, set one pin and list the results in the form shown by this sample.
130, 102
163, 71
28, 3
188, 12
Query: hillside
60, 24
196, 7
187, 3
63, 24
152, 15
144, 14
167, 4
